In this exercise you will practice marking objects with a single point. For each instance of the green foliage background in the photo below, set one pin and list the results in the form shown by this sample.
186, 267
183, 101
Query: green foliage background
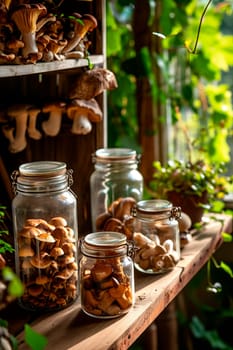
197, 86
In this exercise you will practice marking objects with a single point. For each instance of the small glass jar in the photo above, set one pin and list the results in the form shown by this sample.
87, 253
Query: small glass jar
116, 186
46, 235
106, 275
156, 236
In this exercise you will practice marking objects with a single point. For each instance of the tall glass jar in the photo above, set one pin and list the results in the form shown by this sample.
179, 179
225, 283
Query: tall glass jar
156, 236
106, 275
46, 235
116, 186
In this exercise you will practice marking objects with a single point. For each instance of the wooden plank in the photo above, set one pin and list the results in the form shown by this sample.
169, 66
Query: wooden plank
44, 67
72, 329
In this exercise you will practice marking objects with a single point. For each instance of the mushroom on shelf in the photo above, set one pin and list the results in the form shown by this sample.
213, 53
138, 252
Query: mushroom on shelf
17, 135
81, 26
33, 132
25, 17
83, 112
55, 109
92, 83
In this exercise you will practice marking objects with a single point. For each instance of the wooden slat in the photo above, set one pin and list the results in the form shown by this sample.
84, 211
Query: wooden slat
72, 329
44, 67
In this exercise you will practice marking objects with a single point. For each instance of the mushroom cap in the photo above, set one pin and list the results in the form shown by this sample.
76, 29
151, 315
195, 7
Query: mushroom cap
90, 108
45, 237
89, 24
25, 16
92, 83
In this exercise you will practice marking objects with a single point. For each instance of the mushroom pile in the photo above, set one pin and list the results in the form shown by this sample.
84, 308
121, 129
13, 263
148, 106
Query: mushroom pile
118, 217
47, 263
105, 288
29, 33
153, 255
81, 107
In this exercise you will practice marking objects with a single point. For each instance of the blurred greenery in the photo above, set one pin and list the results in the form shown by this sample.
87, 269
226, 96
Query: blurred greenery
193, 86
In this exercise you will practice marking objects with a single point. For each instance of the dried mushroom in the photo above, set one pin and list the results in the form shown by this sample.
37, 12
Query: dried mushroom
153, 256
105, 290
25, 16
83, 113
118, 218
48, 268
92, 83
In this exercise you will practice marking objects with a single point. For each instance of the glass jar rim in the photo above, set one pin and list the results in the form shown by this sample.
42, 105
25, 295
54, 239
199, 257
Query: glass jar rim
115, 154
44, 168
105, 239
153, 206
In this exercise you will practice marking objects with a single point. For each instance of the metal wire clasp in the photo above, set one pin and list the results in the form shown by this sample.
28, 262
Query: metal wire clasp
14, 176
175, 213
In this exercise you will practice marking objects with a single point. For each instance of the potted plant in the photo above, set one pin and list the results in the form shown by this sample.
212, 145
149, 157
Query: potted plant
193, 186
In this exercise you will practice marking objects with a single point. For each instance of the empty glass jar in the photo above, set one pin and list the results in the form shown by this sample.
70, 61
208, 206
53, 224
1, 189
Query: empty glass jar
116, 185
45, 228
106, 275
156, 236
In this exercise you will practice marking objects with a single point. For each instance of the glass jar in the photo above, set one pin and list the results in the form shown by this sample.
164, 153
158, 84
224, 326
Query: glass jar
116, 186
45, 230
106, 275
156, 236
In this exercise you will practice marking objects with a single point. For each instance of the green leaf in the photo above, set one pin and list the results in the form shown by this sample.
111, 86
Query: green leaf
35, 340
226, 268
15, 286
227, 237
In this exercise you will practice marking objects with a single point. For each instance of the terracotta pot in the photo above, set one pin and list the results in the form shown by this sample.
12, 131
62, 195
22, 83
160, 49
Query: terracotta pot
190, 204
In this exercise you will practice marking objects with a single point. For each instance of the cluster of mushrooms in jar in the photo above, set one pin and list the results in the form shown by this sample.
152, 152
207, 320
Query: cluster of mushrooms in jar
47, 263
118, 217
155, 254
106, 289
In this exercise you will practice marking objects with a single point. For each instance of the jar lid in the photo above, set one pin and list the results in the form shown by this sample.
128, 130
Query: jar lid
46, 168
105, 239
154, 206
115, 154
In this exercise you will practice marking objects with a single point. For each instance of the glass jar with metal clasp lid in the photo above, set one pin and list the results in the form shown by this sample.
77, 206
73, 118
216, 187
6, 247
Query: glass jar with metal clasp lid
116, 185
106, 275
46, 233
156, 236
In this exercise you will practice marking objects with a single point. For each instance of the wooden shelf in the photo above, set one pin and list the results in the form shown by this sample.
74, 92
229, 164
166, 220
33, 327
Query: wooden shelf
45, 67
72, 329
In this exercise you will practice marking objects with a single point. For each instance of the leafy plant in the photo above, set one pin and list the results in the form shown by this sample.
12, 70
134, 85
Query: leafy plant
191, 178
10, 282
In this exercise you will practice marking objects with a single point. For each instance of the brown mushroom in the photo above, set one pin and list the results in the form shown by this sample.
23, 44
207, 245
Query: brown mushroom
92, 83
18, 141
83, 112
25, 17
81, 26
55, 109
33, 132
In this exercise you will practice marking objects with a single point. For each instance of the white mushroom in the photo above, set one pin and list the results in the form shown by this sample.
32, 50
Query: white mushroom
25, 17
33, 132
18, 141
55, 109
83, 112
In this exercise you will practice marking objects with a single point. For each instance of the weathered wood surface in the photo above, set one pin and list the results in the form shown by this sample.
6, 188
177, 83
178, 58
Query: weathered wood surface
72, 329
44, 67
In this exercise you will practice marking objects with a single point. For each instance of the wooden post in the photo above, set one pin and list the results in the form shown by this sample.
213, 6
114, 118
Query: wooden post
149, 108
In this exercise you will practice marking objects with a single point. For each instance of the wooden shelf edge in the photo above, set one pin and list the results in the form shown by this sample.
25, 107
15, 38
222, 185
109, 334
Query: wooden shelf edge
44, 67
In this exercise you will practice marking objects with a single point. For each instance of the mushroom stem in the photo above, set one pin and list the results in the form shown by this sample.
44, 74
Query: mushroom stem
20, 131
81, 125
30, 46
52, 126
32, 130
